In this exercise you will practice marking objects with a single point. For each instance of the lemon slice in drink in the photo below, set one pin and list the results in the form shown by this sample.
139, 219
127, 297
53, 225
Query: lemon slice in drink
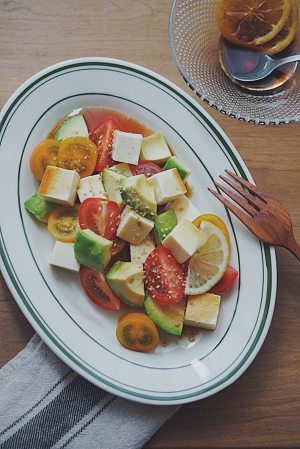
209, 262
285, 37
251, 22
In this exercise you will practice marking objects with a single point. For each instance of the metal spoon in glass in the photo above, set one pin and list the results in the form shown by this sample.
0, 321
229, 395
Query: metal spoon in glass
264, 65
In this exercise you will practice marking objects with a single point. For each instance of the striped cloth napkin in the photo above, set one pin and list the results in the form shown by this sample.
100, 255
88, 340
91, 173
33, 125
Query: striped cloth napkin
44, 404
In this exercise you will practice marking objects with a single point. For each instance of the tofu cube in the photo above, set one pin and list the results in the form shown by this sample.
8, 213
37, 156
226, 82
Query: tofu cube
155, 149
203, 311
183, 240
126, 147
133, 228
168, 186
59, 185
63, 256
184, 209
139, 253
91, 187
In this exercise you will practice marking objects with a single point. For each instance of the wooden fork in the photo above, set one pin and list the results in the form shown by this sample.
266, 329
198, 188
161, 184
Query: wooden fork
265, 217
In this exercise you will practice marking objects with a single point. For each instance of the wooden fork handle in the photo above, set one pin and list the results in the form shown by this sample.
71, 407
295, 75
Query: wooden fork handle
294, 248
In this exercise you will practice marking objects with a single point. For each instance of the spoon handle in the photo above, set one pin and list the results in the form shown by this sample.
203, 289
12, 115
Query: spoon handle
287, 60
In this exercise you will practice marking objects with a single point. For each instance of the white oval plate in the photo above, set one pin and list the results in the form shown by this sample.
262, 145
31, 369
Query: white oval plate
52, 300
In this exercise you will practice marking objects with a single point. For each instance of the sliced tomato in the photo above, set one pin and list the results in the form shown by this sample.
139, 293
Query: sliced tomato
102, 136
63, 223
118, 246
93, 116
145, 168
77, 153
45, 153
226, 281
164, 277
101, 216
185, 267
95, 286
136, 331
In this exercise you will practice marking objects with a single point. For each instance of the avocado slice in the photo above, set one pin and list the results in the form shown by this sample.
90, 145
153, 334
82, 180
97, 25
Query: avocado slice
92, 250
137, 193
122, 168
73, 127
126, 279
111, 182
169, 317
163, 224
172, 162
39, 207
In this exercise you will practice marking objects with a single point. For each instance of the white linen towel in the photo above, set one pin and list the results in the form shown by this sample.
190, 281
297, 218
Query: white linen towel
44, 404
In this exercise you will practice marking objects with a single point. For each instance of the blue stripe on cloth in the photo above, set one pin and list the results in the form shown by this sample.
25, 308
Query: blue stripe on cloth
12, 425
58, 417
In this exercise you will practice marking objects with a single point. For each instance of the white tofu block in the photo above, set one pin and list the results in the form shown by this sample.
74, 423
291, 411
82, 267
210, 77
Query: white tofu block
126, 147
183, 240
133, 228
59, 185
168, 186
203, 311
184, 209
90, 187
139, 253
155, 149
63, 256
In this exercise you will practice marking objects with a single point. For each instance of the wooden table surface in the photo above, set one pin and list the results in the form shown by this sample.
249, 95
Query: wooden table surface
262, 408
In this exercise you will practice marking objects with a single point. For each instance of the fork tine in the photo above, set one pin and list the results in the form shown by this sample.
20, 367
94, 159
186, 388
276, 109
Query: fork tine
238, 200
248, 185
244, 192
244, 218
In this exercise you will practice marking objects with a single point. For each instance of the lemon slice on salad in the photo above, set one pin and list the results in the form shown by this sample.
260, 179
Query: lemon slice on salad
209, 262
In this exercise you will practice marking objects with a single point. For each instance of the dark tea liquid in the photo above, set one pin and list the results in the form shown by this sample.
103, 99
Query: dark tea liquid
234, 58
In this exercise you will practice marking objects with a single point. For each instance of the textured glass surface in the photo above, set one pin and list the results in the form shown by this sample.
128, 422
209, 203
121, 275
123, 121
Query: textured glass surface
194, 40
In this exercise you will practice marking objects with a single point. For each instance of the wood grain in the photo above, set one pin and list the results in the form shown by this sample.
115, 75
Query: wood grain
262, 408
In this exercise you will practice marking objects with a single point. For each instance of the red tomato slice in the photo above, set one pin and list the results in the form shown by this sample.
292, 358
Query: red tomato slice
102, 136
118, 246
92, 117
145, 168
101, 216
226, 281
95, 286
164, 277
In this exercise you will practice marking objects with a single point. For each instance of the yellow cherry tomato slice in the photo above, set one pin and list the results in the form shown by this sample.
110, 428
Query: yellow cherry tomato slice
77, 153
137, 332
214, 219
63, 223
45, 153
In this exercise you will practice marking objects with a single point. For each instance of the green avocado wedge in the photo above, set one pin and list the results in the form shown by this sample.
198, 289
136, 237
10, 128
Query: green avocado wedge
92, 250
126, 279
169, 317
73, 127
163, 224
122, 168
137, 193
39, 207
172, 162
111, 182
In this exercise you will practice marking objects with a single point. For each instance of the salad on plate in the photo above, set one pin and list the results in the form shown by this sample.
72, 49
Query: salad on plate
116, 201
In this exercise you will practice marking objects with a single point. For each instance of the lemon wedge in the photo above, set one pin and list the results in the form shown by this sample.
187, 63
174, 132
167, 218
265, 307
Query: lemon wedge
209, 262
214, 219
